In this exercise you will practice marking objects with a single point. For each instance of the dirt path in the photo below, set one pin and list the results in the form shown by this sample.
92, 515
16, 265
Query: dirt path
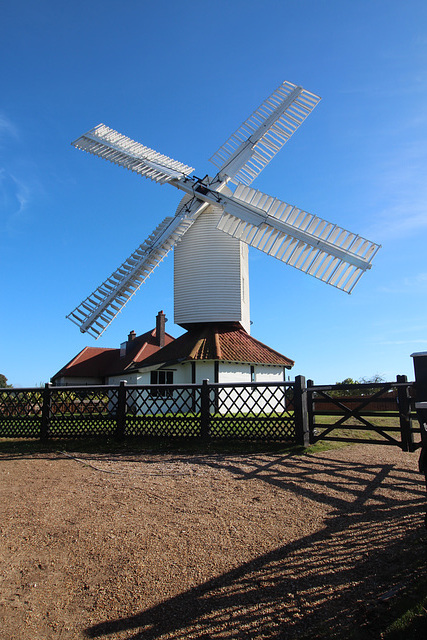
216, 546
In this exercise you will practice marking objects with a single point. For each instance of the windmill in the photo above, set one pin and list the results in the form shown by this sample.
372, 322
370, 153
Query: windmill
214, 226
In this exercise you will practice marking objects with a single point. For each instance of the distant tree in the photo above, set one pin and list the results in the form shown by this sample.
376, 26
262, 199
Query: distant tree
338, 393
357, 392
375, 378
3, 382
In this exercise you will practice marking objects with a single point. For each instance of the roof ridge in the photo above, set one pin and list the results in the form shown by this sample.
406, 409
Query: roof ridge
217, 343
197, 343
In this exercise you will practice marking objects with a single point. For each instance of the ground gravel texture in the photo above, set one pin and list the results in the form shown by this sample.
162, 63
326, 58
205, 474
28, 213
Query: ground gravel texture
156, 546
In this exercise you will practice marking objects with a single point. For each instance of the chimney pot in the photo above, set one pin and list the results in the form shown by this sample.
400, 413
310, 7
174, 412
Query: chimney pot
160, 329
131, 336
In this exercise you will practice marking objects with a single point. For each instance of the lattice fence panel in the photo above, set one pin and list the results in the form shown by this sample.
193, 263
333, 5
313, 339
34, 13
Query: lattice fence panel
168, 411
252, 412
86, 412
20, 413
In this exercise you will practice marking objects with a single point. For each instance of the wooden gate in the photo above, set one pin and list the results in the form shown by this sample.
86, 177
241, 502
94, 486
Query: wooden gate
376, 413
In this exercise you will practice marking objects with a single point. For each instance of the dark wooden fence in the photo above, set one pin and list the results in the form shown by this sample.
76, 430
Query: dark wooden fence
296, 412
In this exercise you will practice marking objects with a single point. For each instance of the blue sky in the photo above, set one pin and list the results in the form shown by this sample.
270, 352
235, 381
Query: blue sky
180, 77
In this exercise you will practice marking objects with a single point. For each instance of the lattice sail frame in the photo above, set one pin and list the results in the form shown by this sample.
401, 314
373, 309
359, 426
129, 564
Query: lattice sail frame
315, 246
264, 133
119, 149
99, 309
306, 242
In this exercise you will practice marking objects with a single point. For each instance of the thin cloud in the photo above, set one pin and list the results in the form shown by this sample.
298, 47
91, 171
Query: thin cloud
416, 284
17, 181
402, 188
402, 220
15, 196
7, 128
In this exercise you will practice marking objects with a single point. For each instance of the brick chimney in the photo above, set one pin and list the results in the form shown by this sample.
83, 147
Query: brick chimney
125, 347
160, 329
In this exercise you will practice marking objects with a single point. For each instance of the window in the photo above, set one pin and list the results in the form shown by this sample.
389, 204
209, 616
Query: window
161, 377
252, 373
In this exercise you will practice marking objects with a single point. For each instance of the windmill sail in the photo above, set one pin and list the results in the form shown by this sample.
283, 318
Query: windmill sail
99, 309
119, 149
304, 241
263, 134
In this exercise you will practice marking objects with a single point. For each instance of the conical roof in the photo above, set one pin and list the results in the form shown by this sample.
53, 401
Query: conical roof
218, 341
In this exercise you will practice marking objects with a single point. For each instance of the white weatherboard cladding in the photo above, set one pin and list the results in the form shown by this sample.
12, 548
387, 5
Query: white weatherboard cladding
211, 274
181, 373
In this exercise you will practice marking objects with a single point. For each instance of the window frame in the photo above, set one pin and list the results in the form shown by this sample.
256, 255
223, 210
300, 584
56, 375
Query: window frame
161, 377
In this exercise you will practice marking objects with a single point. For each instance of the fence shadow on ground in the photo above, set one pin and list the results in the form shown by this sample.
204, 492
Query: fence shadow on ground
328, 578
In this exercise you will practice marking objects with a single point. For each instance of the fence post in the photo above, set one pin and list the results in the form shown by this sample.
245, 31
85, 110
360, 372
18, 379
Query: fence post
406, 435
302, 433
311, 417
204, 409
121, 411
44, 427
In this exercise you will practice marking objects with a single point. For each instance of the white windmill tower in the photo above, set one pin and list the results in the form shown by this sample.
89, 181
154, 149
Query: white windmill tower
213, 226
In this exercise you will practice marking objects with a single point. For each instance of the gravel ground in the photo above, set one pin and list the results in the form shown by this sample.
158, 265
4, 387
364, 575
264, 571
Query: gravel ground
207, 546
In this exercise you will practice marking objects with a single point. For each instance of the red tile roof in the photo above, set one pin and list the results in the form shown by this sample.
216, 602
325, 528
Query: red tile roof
96, 362
226, 341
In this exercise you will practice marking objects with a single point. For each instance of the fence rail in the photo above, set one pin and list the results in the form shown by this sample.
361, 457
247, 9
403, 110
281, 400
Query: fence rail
297, 412
345, 413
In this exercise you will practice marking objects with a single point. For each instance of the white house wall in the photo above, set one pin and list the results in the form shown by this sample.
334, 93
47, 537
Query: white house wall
181, 402
129, 378
67, 381
228, 373
235, 373
269, 374
211, 281
204, 371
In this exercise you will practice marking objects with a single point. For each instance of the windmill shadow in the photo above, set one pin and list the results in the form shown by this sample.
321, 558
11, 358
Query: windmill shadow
328, 577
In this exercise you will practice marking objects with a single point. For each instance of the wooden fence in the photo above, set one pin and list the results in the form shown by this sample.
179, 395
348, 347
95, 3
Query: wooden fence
297, 412
385, 411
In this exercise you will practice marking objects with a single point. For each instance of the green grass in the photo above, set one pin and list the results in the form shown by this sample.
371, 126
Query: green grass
389, 424
412, 623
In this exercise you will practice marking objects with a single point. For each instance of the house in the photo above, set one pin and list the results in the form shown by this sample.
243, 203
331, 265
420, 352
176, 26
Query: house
95, 365
220, 352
